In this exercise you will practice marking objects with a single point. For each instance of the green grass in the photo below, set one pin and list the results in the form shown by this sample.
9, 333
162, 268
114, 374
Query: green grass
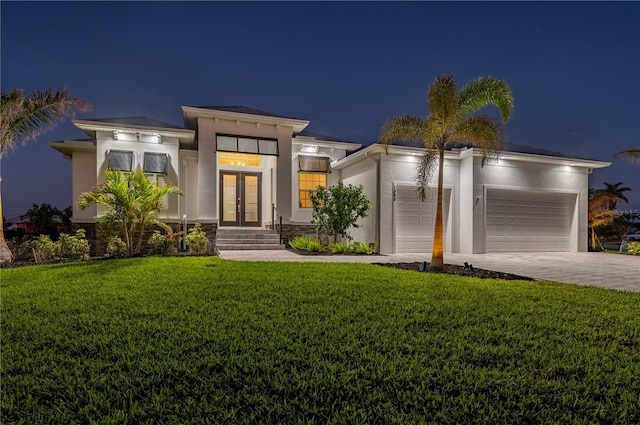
201, 340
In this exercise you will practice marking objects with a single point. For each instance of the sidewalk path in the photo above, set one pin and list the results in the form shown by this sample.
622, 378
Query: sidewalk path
612, 271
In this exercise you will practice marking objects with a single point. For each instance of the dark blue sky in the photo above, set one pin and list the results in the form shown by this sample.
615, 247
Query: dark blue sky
347, 67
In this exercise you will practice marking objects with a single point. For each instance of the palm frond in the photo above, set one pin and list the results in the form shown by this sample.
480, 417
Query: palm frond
405, 128
484, 91
424, 172
631, 155
485, 133
442, 98
27, 117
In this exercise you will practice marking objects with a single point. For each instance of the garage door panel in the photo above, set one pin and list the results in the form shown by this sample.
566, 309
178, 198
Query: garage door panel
414, 220
526, 221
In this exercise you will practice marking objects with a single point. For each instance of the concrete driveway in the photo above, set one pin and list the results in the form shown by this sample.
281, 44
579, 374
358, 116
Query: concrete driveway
611, 271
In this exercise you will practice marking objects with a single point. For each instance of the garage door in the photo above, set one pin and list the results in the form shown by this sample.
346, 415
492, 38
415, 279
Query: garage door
526, 221
415, 219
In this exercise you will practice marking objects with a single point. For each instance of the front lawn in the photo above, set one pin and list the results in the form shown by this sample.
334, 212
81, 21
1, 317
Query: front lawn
202, 340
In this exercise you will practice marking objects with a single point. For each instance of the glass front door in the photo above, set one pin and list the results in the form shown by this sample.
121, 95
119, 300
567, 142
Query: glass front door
240, 198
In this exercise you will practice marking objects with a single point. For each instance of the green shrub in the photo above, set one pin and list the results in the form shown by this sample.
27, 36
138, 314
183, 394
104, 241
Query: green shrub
196, 239
340, 248
361, 248
305, 243
75, 247
160, 244
43, 248
633, 248
116, 247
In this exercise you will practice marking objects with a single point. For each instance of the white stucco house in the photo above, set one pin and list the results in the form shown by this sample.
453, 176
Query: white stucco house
243, 169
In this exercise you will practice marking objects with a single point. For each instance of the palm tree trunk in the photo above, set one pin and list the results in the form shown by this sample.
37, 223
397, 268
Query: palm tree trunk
140, 237
437, 256
5, 252
127, 237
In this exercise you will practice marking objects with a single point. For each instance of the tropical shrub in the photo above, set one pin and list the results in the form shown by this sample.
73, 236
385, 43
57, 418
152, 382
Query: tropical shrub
633, 248
116, 247
132, 202
361, 248
72, 246
43, 248
160, 244
336, 209
340, 248
196, 239
305, 243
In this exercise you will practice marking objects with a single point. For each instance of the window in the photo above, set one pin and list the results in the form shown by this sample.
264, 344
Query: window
317, 164
155, 163
160, 182
312, 172
120, 160
247, 145
307, 183
239, 159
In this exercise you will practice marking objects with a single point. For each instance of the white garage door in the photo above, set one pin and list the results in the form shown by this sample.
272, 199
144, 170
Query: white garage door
526, 221
414, 219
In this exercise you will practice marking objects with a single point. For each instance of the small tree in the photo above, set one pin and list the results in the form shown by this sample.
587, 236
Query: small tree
338, 208
132, 203
43, 217
600, 213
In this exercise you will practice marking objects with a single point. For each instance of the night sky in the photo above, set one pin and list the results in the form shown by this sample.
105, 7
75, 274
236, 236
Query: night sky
574, 69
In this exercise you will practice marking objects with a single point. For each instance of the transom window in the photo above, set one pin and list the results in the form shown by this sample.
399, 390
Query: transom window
239, 159
317, 164
247, 145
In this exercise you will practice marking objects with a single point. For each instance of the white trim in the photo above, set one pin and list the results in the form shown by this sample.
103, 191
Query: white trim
110, 127
465, 152
298, 141
296, 124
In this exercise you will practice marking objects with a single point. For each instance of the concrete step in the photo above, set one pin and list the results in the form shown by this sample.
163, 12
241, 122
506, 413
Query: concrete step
247, 239
247, 236
246, 230
247, 247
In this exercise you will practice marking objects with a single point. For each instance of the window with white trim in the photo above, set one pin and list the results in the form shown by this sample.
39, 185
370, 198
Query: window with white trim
159, 181
312, 172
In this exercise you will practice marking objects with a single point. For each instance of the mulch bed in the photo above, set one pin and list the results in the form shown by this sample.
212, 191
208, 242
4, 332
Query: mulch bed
456, 270
423, 267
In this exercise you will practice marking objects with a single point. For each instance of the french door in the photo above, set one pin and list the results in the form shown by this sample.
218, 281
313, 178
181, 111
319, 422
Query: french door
240, 198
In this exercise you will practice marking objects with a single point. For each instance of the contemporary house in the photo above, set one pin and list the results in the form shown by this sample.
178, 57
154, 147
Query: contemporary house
243, 170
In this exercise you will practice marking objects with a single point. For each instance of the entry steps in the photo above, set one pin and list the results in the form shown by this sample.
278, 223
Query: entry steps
247, 239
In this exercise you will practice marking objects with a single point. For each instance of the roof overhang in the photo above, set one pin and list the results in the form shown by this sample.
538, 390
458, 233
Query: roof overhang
312, 141
91, 127
191, 114
67, 147
466, 152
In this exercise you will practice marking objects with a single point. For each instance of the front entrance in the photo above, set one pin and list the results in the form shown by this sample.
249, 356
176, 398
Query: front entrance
240, 198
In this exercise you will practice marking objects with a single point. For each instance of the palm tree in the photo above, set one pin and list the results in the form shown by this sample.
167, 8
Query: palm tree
615, 193
131, 201
23, 118
630, 154
600, 212
451, 120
